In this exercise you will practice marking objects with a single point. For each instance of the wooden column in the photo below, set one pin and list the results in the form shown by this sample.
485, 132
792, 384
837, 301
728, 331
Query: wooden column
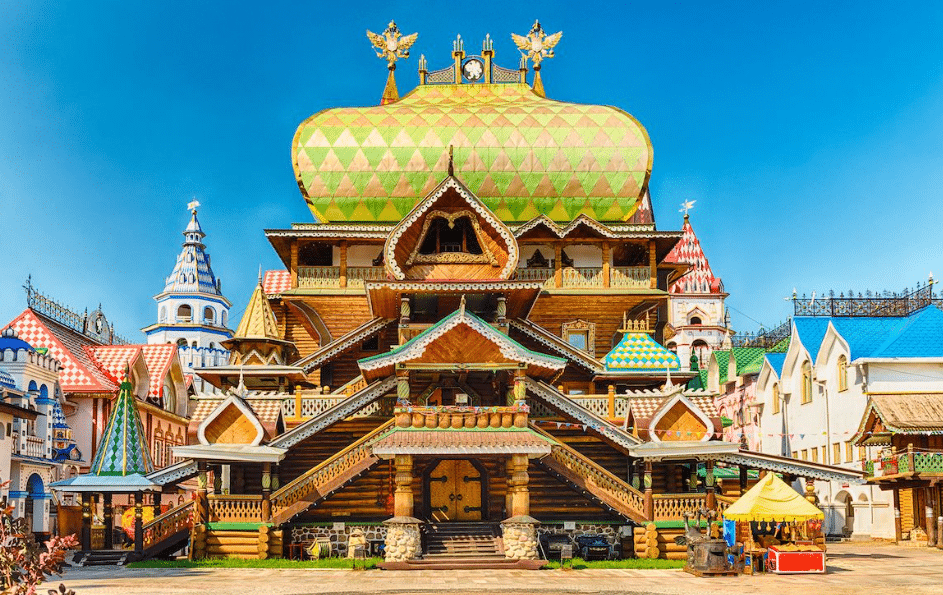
155, 502
898, 531
200, 505
743, 479
557, 264
86, 537
108, 516
710, 496
931, 518
501, 309
138, 521
343, 271
404, 309
652, 264
611, 393
266, 492
293, 263
402, 386
518, 494
606, 273
403, 496
649, 511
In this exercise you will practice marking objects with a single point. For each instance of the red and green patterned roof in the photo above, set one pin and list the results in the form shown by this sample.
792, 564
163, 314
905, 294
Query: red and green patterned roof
521, 154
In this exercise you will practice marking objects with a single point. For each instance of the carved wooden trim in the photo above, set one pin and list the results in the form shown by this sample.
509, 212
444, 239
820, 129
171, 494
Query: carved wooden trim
580, 325
451, 257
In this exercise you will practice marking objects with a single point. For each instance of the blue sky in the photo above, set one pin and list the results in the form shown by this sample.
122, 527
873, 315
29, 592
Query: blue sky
810, 134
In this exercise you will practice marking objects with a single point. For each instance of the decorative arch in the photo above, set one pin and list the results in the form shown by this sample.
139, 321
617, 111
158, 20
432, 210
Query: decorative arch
680, 419
209, 315
232, 422
842, 373
184, 313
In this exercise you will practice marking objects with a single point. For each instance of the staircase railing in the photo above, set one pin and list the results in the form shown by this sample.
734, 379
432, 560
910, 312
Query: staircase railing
326, 471
169, 523
597, 478
671, 507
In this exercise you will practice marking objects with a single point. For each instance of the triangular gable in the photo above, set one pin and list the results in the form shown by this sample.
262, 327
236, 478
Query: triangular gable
78, 372
113, 360
231, 422
461, 338
871, 424
679, 419
159, 360
497, 241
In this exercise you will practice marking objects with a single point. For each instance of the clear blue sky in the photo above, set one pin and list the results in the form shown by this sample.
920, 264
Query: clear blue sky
810, 133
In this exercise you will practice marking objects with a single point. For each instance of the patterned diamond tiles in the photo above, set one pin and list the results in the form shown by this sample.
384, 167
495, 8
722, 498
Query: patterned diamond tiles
637, 351
123, 448
522, 154
275, 282
699, 278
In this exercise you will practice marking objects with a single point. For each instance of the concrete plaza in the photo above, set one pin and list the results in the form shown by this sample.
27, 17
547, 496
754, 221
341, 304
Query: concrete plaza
852, 568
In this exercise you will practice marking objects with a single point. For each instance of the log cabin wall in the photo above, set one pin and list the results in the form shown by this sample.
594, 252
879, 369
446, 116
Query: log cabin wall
553, 500
593, 448
325, 444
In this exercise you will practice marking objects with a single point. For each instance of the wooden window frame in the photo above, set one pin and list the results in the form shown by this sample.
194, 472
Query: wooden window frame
579, 326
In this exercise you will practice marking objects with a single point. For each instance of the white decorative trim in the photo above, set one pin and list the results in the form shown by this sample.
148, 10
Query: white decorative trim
176, 472
545, 337
420, 209
793, 467
562, 232
244, 408
359, 334
667, 406
417, 346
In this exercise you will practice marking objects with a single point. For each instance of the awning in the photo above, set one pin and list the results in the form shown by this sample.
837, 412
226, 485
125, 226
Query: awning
243, 453
462, 442
107, 484
773, 501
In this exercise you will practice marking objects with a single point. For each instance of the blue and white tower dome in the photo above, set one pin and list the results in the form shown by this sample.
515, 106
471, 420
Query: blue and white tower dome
192, 311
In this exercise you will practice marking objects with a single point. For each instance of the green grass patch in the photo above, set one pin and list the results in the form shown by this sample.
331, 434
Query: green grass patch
271, 563
631, 563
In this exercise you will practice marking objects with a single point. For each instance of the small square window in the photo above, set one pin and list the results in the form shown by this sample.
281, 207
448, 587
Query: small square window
578, 339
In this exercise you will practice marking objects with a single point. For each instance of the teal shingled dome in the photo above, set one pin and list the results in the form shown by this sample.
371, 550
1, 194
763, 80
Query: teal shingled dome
123, 449
638, 352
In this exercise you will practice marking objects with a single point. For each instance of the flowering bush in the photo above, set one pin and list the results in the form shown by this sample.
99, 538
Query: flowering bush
25, 564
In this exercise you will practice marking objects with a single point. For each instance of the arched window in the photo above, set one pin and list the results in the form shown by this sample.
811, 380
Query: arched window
43, 392
162, 317
184, 313
842, 373
450, 236
702, 351
774, 397
224, 317
181, 342
33, 389
696, 321
209, 315
806, 383
672, 346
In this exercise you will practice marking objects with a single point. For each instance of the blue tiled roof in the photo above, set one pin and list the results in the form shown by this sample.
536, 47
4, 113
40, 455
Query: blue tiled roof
776, 361
6, 381
193, 272
917, 335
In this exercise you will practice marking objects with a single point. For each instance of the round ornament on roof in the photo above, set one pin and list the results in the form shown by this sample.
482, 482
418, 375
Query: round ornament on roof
473, 69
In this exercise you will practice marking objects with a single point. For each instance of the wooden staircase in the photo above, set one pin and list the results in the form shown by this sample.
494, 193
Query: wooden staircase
104, 557
169, 532
591, 478
326, 478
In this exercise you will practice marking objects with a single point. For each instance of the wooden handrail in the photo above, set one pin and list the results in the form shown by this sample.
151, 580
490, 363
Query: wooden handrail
168, 523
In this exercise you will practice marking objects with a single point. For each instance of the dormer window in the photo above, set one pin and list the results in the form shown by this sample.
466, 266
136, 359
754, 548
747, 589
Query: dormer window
448, 238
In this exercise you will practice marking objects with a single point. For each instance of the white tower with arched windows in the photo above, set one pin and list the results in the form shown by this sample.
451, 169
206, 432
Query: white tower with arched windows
191, 310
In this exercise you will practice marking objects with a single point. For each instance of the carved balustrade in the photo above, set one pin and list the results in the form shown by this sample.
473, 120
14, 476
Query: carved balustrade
234, 508
601, 478
169, 523
671, 507
589, 277
461, 417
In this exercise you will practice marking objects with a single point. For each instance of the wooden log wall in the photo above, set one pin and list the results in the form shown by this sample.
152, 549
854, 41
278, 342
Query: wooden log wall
594, 448
364, 499
323, 445
554, 500
232, 544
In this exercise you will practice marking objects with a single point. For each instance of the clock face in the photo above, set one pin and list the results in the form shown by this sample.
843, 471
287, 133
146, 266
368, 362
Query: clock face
473, 70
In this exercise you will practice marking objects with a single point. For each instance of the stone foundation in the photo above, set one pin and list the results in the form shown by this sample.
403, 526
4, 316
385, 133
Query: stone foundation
520, 538
338, 538
402, 539
609, 532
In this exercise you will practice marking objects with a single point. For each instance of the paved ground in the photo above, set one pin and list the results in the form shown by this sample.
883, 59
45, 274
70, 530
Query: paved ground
865, 569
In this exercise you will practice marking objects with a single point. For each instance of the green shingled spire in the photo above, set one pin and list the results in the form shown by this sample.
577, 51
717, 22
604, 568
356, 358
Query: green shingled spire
123, 448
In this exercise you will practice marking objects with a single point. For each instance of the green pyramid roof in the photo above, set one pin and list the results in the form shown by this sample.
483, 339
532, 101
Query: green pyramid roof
123, 448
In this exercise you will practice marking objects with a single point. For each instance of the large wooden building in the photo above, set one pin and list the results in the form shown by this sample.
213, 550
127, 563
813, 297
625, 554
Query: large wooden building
467, 341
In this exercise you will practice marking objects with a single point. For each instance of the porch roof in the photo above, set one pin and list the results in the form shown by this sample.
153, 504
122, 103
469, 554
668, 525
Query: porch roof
471, 441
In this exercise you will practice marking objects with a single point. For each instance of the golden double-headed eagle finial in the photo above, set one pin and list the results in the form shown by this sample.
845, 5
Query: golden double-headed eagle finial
391, 45
537, 45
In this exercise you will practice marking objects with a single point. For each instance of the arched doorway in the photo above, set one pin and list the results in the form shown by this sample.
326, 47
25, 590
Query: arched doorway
845, 508
35, 503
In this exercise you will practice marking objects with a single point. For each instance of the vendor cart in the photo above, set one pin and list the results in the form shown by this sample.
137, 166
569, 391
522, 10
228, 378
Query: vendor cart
791, 522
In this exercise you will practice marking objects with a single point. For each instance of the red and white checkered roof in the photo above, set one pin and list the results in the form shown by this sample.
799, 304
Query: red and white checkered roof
158, 359
699, 278
78, 373
275, 282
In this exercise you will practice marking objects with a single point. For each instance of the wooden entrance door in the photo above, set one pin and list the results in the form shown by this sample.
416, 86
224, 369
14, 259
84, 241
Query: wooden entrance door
455, 488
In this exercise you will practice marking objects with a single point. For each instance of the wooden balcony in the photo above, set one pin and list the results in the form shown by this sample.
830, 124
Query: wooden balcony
908, 465
589, 277
331, 277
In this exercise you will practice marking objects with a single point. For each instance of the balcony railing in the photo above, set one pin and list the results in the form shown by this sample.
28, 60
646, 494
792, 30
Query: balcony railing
330, 277
606, 408
234, 508
930, 463
29, 446
589, 277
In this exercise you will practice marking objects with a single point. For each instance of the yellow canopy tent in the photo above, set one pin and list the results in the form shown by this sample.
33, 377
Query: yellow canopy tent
771, 499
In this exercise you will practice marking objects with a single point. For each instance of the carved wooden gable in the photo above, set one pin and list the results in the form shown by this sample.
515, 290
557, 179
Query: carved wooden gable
232, 422
450, 235
680, 419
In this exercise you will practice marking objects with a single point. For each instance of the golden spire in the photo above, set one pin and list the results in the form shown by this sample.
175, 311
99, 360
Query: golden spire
258, 321
537, 46
391, 46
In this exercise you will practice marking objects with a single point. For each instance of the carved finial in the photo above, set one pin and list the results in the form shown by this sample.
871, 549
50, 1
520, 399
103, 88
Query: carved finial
537, 46
686, 206
451, 160
260, 274
192, 205
391, 46
461, 307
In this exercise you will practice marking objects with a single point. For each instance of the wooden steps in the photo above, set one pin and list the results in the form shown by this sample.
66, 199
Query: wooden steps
446, 563
462, 546
103, 557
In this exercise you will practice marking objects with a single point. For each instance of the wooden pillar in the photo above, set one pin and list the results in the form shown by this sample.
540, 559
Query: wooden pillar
138, 521
293, 263
201, 510
557, 264
606, 272
710, 499
86, 537
649, 495
403, 496
266, 492
611, 393
520, 386
931, 518
343, 271
518, 500
108, 516
652, 264
898, 531
298, 402
502, 309
743, 479
402, 386
404, 309
155, 502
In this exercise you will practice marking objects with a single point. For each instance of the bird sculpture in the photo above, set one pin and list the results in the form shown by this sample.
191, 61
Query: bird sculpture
391, 45
536, 45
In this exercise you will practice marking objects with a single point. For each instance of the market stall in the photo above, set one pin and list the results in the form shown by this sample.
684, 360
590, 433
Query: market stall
779, 529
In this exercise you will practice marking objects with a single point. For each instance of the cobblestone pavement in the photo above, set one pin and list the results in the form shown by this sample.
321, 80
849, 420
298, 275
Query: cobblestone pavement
865, 569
